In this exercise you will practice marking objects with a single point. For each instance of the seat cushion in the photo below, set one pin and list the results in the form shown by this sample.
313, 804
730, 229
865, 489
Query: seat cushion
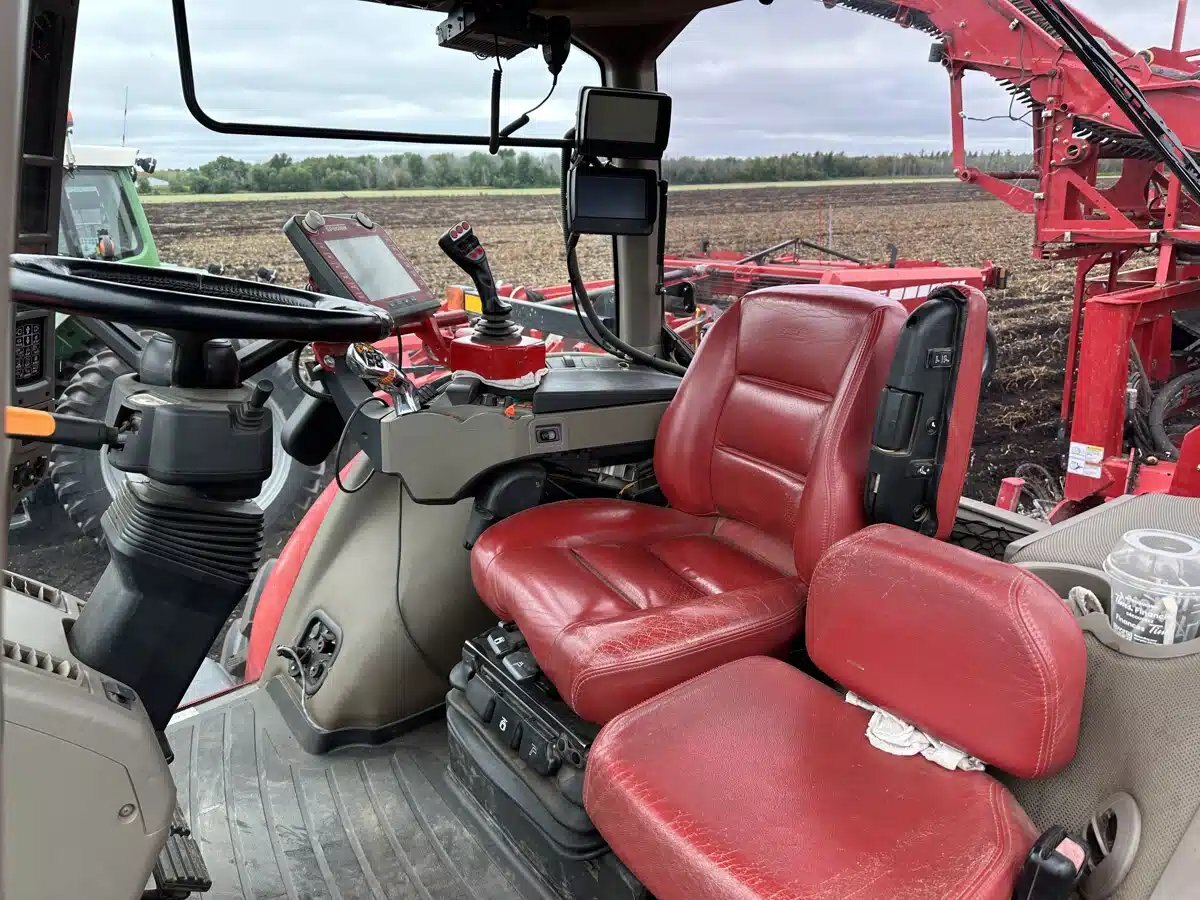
755, 780
953, 642
621, 600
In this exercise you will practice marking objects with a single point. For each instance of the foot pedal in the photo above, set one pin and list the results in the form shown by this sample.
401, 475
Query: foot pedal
180, 869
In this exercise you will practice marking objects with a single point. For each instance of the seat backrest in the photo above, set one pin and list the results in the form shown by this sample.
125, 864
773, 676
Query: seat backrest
926, 419
771, 427
978, 653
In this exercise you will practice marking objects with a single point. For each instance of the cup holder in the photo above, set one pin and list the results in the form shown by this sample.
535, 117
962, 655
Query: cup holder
1064, 576
1112, 836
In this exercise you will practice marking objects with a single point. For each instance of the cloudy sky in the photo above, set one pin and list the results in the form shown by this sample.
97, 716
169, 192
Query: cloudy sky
747, 79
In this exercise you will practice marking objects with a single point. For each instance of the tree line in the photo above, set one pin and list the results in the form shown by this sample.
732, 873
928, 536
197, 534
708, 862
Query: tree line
509, 169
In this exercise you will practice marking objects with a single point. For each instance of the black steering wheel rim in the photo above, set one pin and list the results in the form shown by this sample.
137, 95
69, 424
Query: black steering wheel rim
192, 302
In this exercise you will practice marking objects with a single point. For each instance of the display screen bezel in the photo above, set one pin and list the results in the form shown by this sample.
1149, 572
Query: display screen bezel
589, 143
590, 178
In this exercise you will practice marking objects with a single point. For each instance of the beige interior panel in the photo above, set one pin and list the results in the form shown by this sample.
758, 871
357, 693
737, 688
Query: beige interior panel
350, 574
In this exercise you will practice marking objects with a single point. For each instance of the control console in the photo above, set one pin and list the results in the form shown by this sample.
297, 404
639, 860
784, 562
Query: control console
348, 255
508, 693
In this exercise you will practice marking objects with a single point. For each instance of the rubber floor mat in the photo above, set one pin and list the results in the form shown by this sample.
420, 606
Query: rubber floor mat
377, 823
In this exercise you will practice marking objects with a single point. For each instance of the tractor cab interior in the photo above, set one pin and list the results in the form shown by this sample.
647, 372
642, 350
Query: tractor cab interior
669, 620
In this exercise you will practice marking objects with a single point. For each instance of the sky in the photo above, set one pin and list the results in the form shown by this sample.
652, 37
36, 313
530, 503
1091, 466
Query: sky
746, 79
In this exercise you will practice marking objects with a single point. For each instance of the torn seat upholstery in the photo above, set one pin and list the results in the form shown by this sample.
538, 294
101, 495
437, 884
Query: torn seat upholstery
762, 456
978, 653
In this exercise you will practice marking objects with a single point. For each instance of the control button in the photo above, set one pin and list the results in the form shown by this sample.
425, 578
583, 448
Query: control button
549, 434
502, 641
536, 752
313, 221
482, 698
506, 724
521, 666
362, 220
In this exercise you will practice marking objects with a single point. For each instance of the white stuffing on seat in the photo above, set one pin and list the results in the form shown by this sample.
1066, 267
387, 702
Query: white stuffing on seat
893, 735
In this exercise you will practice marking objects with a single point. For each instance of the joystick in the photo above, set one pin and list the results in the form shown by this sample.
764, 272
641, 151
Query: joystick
495, 350
463, 247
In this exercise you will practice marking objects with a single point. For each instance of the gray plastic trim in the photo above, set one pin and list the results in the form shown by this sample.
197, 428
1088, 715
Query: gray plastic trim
1182, 874
1104, 880
1016, 547
1064, 576
441, 451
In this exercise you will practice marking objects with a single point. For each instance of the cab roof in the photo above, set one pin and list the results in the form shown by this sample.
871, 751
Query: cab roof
596, 13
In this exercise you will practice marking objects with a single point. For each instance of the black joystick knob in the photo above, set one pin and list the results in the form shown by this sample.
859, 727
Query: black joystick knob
251, 412
460, 244
262, 393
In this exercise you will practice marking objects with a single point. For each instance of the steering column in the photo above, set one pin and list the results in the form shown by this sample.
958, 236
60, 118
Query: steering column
185, 537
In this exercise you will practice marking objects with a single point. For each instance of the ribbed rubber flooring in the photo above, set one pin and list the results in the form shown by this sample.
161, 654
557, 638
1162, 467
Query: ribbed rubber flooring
276, 822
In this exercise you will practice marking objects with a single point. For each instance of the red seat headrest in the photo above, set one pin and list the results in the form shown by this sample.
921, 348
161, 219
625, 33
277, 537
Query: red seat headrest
978, 653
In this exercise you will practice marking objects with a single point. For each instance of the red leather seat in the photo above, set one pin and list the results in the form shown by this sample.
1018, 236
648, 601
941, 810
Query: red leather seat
755, 780
762, 456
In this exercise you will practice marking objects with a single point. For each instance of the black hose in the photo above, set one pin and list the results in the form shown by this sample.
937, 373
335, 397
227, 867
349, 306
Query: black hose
1164, 402
304, 385
563, 181
611, 342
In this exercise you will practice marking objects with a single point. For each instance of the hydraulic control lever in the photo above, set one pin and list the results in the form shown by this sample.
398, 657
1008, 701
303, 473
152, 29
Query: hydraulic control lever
463, 247
369, 364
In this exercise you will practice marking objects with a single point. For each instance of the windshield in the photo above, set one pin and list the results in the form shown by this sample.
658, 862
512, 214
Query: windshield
95, 207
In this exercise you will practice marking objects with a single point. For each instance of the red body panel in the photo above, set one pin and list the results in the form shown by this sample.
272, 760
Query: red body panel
283, 578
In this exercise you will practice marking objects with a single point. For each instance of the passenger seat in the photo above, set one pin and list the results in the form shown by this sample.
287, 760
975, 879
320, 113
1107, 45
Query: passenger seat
757, 781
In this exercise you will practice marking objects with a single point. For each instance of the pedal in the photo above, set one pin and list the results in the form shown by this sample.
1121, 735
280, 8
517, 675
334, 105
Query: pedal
180, 869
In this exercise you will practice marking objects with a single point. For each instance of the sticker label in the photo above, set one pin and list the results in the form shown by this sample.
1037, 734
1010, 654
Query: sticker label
1085, 459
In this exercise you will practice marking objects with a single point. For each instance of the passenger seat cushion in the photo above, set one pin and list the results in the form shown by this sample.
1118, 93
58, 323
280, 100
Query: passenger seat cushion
756, 781
976, 652
620, 600
772, 424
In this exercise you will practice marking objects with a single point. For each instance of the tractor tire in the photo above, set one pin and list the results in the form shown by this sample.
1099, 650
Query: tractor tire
85, 482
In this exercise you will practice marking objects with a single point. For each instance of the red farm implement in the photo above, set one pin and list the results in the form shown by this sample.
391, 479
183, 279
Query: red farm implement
1135, 237
699, 286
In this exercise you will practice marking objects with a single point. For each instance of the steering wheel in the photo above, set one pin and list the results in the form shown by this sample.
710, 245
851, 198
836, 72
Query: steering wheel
189, 302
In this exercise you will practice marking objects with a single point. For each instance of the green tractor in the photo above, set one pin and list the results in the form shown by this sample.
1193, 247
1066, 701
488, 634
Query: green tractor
103, 218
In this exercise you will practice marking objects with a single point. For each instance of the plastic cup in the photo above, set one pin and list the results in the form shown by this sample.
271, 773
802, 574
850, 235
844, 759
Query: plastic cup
1155, 579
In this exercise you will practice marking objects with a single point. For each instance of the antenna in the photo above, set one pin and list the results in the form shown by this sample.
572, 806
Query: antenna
125, 115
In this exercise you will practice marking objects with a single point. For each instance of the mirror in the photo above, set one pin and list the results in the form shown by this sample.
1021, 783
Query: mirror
360, 71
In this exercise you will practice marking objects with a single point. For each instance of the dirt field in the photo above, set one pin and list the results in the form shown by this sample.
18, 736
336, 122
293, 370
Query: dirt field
945, 221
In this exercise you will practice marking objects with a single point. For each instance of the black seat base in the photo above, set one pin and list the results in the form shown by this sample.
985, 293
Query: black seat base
533, 812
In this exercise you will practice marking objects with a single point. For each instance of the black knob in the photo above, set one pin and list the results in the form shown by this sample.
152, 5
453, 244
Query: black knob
262, 392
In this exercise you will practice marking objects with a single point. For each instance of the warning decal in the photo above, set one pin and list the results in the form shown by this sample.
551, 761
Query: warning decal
1085, 459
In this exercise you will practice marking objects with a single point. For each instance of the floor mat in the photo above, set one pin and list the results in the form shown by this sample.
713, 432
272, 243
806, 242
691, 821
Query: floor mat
273, 821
